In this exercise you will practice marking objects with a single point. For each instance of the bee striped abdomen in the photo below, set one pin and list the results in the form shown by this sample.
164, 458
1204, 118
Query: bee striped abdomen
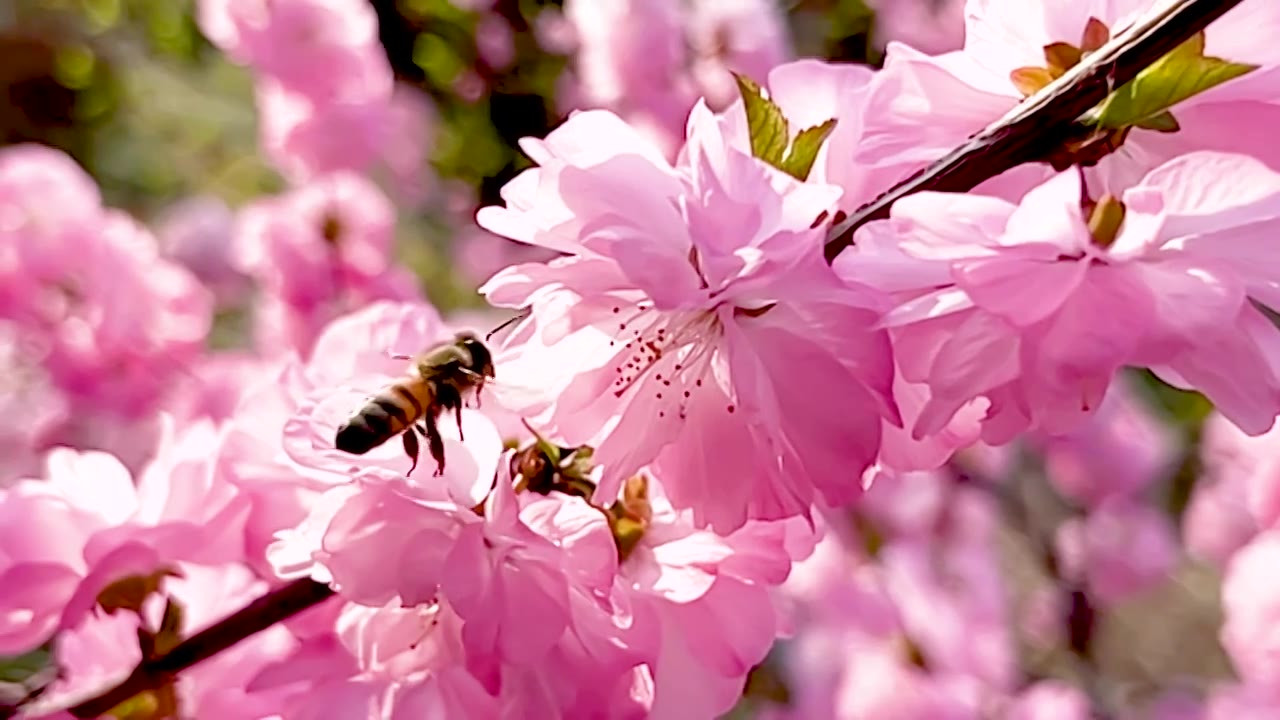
392, 411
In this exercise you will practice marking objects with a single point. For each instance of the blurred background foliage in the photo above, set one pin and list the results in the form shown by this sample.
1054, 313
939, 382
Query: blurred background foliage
133, 91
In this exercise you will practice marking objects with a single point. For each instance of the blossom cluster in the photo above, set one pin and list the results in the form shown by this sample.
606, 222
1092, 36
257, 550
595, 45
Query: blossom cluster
326, 95
650, 61
714, 470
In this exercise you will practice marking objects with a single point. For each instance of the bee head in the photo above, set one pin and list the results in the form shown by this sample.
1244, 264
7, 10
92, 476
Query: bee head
481, 358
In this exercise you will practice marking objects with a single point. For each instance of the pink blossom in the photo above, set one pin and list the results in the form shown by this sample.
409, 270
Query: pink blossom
555, 33
950, 597
305, 138
252, 457
216, 385
1251, 601
289, 40
650, 61
1241, 701
367, 341
930, 26
748, 37
306, 244
926, 592
489, 566
630, 59
880, 685
1231, 497
320, 250
1050, 700
380, 662
1119, 549
281, 329
1231, 456
44, 531
102, 649
688, 293
914, 504
1217, 521
132, 442
27, 392
196, 233
495, 42
493, 572
990, 461
1041, 616
118, 311
1019, 306
551, 556
480, 254
412, 130
275, 424
811, 92
50, 206
710, 596
1116, 453
86, 524
924, 105
325, 90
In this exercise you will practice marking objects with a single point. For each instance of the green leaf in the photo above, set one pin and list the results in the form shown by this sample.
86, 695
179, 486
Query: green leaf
765, 123
18, 668
25, 677
1183, 73
804, 150
1161, 122
770, 133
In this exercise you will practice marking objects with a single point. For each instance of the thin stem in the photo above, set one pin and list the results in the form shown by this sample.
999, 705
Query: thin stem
1035, 128
277, 605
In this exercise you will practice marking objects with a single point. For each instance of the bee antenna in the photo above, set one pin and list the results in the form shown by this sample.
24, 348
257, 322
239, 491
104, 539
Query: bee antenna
510, 321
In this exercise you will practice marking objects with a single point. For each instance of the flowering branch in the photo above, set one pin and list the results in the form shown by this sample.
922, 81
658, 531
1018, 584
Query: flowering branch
277, 605
1034, 129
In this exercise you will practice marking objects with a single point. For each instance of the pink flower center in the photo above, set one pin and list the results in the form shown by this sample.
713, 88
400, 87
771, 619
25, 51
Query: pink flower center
670, 354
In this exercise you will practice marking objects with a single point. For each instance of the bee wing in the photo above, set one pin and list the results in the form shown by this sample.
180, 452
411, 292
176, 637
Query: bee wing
522, 399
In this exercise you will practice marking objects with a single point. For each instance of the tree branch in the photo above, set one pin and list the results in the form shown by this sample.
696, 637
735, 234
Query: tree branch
279, 604
1035, 128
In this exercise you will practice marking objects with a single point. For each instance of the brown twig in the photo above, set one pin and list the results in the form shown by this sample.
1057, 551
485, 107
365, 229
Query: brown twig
1035, 128
279, 604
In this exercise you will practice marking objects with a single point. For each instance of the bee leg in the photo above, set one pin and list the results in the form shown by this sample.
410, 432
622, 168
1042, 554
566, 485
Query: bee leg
458, 414
435, 443
411, 448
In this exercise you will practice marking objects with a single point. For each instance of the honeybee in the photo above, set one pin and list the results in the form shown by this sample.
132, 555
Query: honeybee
437, 381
